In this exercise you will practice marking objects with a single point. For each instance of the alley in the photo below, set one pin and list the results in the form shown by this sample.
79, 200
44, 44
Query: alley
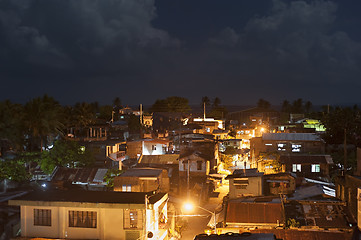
197, 223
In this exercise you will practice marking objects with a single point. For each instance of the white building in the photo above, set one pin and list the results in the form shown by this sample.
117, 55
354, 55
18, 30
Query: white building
93, 215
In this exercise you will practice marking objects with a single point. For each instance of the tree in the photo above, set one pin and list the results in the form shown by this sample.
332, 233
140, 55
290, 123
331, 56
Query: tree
216, 102
286, 106
308, 107
11, 127
42, 119
66, 154
263, 104
206, 101
297, 106
117, 103
110, 175
13, 170
340, 119
171, 104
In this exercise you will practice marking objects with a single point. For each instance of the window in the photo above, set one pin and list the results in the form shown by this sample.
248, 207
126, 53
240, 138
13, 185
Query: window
126, 188
296, 147
42, 217
240, 183
133, 218
185, 165
154, 147
315, 168
281, 147
199, 165
83, 219
296, 167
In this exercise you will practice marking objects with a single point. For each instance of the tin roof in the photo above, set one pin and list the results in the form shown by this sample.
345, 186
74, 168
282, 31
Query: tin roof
160, 159
291, 137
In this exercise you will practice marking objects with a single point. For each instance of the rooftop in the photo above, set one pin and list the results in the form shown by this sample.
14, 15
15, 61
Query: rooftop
89, 197
142, 172
291, 137
160, 159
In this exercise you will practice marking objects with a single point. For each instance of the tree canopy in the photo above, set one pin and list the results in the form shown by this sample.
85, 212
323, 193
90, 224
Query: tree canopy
66, 154
171, 104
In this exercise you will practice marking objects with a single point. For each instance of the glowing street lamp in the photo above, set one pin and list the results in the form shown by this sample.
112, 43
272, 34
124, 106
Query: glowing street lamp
188, 207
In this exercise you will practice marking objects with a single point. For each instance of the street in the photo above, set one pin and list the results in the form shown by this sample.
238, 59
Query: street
198, 222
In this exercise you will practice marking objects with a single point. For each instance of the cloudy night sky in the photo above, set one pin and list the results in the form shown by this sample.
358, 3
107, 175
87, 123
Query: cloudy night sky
143, 50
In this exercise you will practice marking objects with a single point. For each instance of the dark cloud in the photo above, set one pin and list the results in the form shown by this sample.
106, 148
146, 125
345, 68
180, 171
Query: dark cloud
79, 50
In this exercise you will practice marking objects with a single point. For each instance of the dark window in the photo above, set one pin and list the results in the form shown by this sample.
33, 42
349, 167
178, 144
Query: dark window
199, 165
241, 181
185, 165
42, 217
241, 186
83, 219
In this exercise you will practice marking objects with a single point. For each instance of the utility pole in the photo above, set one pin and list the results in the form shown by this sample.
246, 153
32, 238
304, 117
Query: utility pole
204, 110
344, 154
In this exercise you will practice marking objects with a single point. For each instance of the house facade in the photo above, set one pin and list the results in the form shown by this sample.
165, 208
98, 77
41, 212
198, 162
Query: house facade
307, 165
245, 182
147, 147
142, 180
93, 215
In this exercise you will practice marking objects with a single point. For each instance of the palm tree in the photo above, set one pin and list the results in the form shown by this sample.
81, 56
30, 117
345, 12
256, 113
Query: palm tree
42, 119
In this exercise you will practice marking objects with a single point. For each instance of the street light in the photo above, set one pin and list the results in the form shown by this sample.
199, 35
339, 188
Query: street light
188, 206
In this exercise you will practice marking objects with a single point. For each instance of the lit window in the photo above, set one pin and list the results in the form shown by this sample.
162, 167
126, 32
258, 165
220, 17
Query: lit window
296, 167
42, 217
281, 147
126, 188
83, 219
296, 147
268, 144
133, 218
315, 168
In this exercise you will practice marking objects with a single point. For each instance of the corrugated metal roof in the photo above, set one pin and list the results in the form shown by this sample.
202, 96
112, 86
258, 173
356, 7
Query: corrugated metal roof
142, 172
291, 137
160, 159
99, 176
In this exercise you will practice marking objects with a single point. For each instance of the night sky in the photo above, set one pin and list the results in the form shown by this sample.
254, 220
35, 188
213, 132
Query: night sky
143, 50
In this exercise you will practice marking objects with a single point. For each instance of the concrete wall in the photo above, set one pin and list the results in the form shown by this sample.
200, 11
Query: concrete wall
109, 224
253, 188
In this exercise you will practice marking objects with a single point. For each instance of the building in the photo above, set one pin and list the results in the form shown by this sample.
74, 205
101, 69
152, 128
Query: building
287, 143
313, 166
279, 183
109, 153
93, 215
142, 180
147, 147
245, 182
265, 150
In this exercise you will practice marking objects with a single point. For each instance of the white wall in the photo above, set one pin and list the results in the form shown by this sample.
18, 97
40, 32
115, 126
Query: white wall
109, 224
148, 148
